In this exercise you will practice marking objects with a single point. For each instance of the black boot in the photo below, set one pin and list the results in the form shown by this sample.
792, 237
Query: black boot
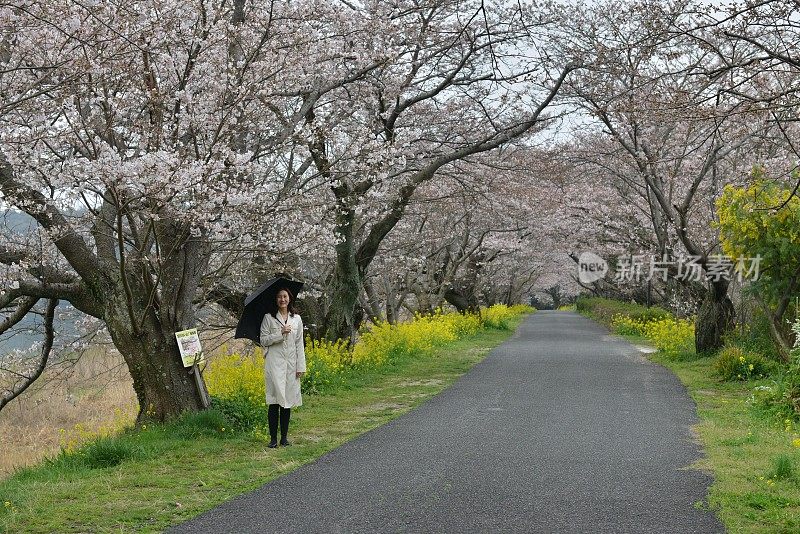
272, 416
285, 414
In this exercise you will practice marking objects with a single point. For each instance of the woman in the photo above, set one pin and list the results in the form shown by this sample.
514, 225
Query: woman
284, 363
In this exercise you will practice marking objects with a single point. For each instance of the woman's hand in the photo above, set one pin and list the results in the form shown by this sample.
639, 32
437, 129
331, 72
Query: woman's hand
299, 374
286, 329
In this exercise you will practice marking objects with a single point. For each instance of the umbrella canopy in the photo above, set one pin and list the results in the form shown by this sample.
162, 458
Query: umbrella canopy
259, 303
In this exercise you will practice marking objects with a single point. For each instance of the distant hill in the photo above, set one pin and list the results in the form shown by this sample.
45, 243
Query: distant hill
17, 221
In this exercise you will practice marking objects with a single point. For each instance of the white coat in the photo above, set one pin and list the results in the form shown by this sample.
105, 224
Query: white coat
284, 355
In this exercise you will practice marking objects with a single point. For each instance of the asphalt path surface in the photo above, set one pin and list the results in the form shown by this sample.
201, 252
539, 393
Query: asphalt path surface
563, 428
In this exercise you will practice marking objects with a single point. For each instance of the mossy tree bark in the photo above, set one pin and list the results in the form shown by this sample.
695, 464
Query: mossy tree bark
714, 318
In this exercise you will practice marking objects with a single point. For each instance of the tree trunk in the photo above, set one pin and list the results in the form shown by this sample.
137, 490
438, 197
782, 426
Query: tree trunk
142, 322
714, 318
464, 303
164, 388
783, 344
341, 321
391, 307
372, 305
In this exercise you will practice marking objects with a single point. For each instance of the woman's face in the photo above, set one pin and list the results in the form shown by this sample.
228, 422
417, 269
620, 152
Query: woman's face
283, 299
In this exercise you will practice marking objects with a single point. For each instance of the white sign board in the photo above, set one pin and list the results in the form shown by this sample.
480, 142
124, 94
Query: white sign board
189, 345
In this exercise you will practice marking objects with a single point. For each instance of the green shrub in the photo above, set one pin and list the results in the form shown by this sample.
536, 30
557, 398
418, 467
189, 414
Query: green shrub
782, 468
240, 412
108, 452
206, 423
604, 310
754, 337
97, 454
589, 304
733, 363
780, 399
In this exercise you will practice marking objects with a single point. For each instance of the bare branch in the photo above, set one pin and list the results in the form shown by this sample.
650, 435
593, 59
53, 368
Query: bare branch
27, 379
22, 310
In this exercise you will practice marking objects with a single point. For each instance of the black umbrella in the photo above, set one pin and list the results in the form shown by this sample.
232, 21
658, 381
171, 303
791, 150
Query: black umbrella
259, 303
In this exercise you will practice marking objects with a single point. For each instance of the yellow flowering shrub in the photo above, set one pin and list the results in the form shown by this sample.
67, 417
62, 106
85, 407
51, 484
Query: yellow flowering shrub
733, 363
604, 310
674, 337
626, 325
236, 385
751, 225
463, 325
387, 342
519, 309
497, 316
236, 382
326, 364
235, 375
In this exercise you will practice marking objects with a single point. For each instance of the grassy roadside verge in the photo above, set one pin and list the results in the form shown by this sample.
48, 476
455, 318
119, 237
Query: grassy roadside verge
753, 457
171, 474
751, 491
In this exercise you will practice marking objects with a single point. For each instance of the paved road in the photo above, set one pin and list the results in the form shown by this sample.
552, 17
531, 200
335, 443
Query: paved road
563, 428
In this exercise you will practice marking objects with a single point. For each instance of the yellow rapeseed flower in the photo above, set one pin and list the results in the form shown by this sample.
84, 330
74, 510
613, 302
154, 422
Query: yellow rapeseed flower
671, 336
242, 376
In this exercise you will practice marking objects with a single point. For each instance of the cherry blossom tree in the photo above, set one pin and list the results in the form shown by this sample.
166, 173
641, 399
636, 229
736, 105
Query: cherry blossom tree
678, 135
148, 141
752, 47
465, 78
396, 155
455, 233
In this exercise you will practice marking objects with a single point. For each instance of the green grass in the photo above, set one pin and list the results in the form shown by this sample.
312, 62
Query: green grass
751, 455
147, 480
637, 340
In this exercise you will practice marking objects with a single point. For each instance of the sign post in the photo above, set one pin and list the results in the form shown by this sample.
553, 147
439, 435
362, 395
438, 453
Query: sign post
192, 354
